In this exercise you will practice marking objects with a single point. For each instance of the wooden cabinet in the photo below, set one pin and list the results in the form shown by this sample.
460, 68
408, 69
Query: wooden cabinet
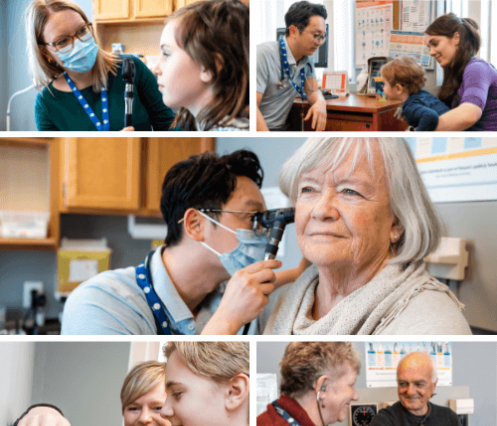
115, 9
120, 175
29, 182
104, 10
162, 154
152, 8
101, 173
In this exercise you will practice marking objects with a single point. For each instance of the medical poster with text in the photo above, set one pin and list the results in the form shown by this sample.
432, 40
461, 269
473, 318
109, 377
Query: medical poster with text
457, 169
382, 359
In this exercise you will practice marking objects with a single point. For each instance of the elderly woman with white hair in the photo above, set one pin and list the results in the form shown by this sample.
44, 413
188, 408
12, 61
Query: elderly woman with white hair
364, 219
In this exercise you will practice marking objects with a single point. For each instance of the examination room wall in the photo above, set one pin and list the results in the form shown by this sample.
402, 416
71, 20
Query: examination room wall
19, 266
474, 376
14, 64
474, 221
83, 379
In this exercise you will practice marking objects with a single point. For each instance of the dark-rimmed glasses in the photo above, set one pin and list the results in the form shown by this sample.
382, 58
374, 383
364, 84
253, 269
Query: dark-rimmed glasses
66, 43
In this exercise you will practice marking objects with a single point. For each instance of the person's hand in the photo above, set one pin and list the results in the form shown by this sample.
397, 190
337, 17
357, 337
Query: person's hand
318, 113
245, 297
128, 129
43, 416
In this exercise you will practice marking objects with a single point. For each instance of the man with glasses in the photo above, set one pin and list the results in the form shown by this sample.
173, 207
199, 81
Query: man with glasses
210, 205
284, 70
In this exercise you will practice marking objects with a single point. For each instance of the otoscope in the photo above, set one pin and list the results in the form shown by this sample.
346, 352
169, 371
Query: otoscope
276, 220
129, 72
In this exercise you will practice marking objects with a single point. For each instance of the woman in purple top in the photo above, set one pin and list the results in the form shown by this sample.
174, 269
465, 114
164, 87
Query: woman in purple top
470, 84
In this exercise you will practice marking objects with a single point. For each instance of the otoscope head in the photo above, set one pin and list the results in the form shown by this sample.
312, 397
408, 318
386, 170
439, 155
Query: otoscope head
276, 220
129, 71
283, 216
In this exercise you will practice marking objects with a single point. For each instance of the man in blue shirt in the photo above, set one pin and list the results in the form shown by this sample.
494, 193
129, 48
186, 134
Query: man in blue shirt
198, 283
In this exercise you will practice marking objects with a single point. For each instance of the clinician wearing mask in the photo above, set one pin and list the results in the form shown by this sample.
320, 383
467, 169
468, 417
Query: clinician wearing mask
81, 85
209, 204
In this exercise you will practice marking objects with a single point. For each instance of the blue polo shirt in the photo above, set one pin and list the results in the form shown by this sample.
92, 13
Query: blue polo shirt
112, 303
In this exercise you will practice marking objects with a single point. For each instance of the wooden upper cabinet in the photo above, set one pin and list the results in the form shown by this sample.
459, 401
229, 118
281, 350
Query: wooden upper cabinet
152, 8
114, 9
102, 173
162, 154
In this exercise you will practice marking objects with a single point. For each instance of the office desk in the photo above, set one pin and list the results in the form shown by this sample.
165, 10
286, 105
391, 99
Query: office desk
352, 113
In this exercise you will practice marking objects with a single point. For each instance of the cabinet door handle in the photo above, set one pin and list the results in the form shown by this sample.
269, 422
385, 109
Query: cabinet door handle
368, 126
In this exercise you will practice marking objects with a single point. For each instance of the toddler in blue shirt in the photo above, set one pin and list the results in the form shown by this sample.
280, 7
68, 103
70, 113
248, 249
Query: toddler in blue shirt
403, 81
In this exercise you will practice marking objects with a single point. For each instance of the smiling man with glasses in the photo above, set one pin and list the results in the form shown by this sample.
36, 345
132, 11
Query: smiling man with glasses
208, 277
284, 70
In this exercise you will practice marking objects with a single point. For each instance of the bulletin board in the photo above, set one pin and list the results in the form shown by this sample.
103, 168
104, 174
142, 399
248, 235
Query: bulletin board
382, 359
457, 169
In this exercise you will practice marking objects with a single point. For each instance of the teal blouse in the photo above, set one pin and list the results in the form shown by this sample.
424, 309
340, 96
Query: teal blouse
57, 110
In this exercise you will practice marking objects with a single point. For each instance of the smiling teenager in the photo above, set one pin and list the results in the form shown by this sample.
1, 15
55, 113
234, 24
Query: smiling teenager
207, 384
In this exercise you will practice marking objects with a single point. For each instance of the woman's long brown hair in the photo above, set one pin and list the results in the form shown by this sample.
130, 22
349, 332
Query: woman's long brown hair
469, 45
215, 33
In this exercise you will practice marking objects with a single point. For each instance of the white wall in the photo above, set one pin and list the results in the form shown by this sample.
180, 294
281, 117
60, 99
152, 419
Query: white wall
16, 374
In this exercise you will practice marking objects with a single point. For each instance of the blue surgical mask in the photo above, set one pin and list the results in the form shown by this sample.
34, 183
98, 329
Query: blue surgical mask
81, 57
250, 250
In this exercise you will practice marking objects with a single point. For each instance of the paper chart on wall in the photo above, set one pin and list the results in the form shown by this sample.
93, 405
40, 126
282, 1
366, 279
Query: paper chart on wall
415, 15
372, 29
413, 44
457, 169
382, 359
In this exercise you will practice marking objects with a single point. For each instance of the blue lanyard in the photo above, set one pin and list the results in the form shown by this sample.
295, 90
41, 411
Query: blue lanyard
105, 106
286, 67
283, 413
144, 280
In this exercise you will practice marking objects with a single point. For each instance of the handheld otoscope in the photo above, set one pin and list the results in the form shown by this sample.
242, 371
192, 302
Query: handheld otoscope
129, 72
276, 220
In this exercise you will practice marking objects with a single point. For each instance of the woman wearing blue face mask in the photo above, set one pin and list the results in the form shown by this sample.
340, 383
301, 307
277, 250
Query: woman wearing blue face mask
81, 85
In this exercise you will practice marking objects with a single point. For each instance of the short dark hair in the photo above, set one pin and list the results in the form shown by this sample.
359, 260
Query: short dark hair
300, 14
203, 181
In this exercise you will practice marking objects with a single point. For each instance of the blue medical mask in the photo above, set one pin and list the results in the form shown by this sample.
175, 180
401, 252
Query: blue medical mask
250, 250
81, 57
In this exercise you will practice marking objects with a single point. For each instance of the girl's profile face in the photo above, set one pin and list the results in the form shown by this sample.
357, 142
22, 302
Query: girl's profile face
182, 82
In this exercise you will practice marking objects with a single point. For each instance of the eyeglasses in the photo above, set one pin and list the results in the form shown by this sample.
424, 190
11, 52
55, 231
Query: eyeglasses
255, 215
318, 38
66, 43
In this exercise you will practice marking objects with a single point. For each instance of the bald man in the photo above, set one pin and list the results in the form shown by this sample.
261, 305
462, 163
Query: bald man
416, 381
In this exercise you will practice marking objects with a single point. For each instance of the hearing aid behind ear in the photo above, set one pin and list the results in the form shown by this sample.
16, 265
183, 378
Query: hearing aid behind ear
323, 388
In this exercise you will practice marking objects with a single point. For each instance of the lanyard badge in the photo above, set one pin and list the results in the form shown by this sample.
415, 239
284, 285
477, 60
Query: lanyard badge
102, 127
286, 68
144, 280
284, 414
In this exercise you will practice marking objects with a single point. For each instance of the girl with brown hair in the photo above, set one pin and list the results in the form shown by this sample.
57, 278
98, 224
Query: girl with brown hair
204, 66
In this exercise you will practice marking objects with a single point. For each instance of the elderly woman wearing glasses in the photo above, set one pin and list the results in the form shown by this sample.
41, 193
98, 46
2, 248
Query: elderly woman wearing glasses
81, 85
364, 219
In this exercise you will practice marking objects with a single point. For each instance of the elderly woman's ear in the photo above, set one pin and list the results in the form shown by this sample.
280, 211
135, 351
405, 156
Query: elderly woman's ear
396, 231
321, 384
237, 392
